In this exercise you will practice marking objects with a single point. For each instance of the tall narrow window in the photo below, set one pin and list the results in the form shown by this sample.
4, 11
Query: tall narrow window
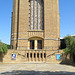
32, 13
36, 14
31, 44
39, 44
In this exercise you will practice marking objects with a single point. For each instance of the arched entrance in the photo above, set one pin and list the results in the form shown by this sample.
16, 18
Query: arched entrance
35, 43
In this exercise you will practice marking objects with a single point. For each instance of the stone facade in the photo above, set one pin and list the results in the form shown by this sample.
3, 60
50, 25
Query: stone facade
22, 36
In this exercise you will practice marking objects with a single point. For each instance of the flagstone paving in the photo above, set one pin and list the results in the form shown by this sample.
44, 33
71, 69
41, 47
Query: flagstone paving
36, 69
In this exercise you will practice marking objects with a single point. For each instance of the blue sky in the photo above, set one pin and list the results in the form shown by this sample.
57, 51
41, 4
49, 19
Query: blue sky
67, 18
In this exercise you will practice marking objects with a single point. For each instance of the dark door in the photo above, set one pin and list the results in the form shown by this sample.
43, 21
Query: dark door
31, 44
39, 44
74, 57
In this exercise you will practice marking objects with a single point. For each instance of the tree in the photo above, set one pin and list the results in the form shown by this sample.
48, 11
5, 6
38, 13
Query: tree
3, 47
70, 45
8, 46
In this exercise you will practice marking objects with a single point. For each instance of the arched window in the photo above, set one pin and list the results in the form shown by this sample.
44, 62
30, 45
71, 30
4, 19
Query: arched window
36, 14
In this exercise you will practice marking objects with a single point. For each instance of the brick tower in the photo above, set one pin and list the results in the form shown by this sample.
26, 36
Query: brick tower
35, 25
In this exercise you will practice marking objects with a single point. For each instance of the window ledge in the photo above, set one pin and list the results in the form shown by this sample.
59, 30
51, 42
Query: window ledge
35, 30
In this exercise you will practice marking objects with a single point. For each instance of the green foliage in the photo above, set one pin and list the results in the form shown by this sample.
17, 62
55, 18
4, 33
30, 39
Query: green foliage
8, 46
70, 44
73, 45
66, 50
3, 47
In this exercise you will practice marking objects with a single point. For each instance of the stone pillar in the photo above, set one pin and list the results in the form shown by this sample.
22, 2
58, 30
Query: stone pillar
35, 44
29, 56
28, 44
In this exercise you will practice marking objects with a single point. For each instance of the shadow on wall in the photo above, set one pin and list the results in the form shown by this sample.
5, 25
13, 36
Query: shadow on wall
2, 56
23, 72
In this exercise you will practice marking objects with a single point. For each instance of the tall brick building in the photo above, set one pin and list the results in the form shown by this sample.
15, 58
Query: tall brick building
35, 27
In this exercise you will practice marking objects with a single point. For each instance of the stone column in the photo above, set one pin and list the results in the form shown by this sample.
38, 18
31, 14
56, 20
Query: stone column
28, 44
35, 44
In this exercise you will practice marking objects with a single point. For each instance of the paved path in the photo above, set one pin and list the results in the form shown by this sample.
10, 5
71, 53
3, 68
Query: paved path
36, 69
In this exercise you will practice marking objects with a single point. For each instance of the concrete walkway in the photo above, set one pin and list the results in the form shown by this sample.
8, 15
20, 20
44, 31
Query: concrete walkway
36, 69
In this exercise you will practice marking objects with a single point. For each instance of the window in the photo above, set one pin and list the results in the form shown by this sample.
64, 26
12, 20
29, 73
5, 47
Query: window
39, 44
31, 44
36, 14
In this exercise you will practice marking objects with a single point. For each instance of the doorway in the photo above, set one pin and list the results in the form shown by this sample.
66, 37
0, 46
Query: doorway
74, 57
31, 44
36, 43
39, 44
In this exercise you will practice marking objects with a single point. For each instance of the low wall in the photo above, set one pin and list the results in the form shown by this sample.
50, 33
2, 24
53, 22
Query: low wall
25, 56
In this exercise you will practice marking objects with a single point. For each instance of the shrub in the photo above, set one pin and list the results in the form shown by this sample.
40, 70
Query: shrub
3, 47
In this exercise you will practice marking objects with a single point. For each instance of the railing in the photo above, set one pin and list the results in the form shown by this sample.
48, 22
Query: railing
34, 55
